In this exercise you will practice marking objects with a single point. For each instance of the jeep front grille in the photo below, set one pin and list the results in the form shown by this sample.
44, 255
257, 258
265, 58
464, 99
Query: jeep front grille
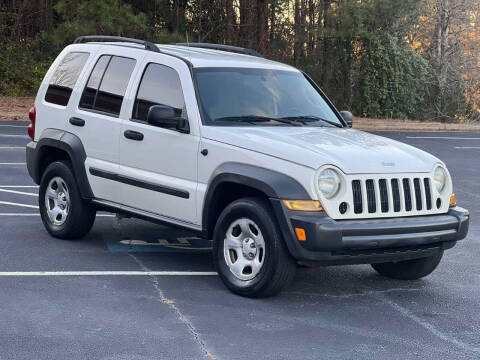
386, 195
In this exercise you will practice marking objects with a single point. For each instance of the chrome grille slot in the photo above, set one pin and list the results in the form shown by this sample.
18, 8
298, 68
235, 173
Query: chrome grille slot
357, 197
395, 195
407, 194
371, 200
428, 193
418, 193
390, 196
383, 194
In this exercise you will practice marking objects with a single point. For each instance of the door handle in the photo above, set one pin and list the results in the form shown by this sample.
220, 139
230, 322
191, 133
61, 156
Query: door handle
133, 135
77, 121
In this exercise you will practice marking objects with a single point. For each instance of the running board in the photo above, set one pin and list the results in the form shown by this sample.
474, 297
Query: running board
146, 215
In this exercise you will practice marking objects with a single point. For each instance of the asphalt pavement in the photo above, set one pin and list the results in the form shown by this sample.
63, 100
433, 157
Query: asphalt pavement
135, 290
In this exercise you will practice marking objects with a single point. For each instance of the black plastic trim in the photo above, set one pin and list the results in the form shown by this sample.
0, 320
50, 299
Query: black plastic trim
273, 184
366, 240
139, 183
62, 140
103, 38
221, 47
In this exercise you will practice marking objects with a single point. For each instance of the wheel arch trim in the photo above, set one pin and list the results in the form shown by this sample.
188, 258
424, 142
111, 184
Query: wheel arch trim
64, 141
269, 182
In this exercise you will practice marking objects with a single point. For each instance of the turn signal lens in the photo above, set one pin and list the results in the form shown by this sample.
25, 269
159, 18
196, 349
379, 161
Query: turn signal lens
303, 205
453, 200
301, 234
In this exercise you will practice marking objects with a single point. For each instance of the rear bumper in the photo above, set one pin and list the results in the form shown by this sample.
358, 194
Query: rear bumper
374, 240
31, 154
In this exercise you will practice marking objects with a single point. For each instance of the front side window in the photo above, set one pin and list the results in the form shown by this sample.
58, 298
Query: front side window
160, 85
107, 84
65, 77
229, 96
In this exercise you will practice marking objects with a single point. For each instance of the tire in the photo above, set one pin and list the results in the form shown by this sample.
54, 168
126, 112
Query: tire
64, 214
409, 269
248, 221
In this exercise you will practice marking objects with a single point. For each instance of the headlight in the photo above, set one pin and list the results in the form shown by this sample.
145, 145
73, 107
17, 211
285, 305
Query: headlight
329, 182
440, 178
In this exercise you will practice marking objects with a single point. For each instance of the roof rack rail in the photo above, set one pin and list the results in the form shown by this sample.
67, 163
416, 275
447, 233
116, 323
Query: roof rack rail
228, 48
102, 38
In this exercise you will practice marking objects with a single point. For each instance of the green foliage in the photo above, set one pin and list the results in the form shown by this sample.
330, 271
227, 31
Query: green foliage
390, 80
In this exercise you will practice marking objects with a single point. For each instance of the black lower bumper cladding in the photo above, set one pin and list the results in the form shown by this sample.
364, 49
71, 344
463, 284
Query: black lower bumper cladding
333, 242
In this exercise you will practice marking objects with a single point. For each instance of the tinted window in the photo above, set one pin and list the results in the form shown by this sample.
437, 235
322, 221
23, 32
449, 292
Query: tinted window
107, 84
160, 85
64, 78
229, 95
88, 96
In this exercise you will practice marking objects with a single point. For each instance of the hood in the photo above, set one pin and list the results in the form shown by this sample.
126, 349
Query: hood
350, 150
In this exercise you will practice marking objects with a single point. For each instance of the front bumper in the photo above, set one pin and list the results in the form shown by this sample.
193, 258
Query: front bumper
333, 242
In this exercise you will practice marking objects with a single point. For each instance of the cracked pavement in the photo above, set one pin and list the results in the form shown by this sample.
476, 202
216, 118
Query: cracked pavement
344, 312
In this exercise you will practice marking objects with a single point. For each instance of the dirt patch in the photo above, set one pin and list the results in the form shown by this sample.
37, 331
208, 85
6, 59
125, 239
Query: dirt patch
16, 108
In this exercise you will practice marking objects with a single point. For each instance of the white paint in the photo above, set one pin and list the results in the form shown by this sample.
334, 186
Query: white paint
443, 137
446, 337
108, 273
467, 147
18, 192
18, 204
18, 186
12, 147
13, 163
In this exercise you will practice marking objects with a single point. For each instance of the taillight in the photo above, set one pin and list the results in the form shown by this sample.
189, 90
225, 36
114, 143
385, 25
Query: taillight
32, 114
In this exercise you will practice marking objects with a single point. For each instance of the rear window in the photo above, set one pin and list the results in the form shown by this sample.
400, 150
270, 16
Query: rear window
65, 77
107, 84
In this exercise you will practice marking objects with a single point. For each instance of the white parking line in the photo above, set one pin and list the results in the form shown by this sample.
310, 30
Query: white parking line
15, 126
12, 147
443, 137
108, 273
18, 192
18, 186
17, 204
37, 214
467, 147
13, 163
14, 136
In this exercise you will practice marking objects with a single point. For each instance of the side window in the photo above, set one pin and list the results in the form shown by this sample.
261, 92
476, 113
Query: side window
160, 85
107, 84
64, 78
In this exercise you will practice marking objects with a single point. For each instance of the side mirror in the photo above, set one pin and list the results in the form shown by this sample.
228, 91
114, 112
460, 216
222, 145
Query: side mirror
348, 117
164, 116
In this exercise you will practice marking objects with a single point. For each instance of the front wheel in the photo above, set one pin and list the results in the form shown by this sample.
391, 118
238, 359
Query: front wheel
249, 252
409, 269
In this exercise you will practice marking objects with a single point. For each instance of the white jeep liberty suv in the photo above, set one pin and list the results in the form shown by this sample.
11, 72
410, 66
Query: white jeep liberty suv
235, 148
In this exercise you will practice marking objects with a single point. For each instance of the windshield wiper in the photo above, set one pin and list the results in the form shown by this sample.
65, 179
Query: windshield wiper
258, 119
310, 118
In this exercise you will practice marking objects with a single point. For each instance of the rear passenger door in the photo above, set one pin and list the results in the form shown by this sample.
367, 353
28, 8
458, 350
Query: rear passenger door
97, 119
160, 169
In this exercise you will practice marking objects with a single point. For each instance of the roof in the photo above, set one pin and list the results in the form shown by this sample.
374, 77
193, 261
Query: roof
217, 58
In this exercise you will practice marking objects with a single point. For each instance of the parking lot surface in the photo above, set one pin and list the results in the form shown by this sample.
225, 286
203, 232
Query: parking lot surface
135, 290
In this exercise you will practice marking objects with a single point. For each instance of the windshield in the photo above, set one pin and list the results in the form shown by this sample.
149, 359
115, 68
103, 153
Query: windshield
230, 96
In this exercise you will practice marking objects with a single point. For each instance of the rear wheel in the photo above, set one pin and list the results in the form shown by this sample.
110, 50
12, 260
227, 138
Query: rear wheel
64, 213
409, 269
249, 252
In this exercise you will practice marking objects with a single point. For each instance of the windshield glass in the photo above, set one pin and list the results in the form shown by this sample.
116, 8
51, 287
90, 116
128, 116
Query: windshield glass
230, 96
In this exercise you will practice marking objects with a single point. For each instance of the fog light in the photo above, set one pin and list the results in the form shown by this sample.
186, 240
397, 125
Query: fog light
303, 205
301, 234
453, 200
